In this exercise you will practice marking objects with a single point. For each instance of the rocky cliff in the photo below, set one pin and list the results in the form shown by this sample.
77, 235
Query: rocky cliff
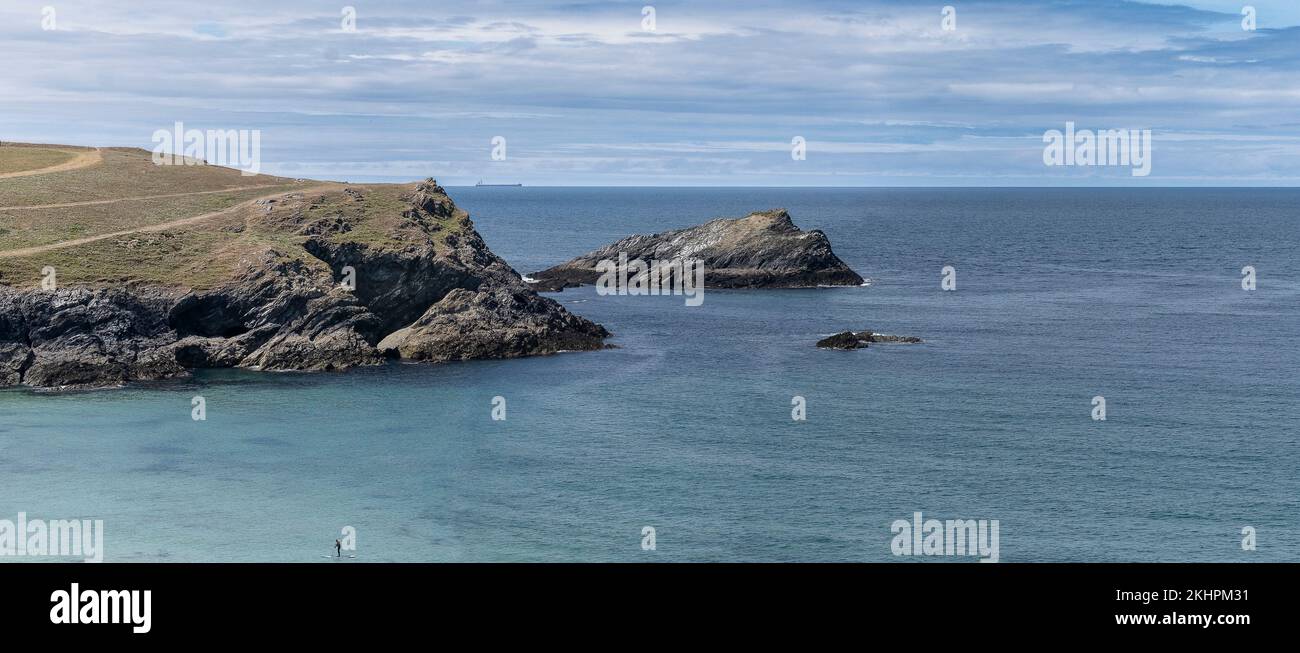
762, 250
312, 280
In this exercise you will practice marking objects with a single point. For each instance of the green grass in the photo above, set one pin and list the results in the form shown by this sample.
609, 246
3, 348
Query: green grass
19, 159
125, 172
162, 257
30, 227
199, 255
378, 220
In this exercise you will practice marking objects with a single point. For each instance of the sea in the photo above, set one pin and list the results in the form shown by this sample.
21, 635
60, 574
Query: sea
681, 443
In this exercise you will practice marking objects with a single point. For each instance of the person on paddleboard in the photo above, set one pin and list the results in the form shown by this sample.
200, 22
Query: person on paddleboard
338, 549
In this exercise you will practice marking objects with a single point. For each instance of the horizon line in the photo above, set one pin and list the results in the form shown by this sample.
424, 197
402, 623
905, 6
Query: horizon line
751, 186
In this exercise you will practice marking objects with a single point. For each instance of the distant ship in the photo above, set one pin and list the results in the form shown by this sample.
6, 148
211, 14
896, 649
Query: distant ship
480, 183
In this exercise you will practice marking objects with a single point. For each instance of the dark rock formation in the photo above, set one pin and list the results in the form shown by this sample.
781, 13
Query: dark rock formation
844, 340
860, 340
439, 295
898, 340
501, 322
763, 250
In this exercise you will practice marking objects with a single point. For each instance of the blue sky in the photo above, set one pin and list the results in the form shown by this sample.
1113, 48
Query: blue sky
713, 96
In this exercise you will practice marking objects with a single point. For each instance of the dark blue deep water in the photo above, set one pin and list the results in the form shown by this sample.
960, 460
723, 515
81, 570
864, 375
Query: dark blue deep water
1062, 295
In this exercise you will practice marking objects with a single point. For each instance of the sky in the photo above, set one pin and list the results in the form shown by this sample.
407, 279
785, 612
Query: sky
713, 93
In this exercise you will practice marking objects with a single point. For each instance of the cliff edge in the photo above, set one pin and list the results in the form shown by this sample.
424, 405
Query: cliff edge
311, 276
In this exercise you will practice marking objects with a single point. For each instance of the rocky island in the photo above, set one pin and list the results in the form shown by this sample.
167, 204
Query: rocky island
146, 272
761, 250
861, 339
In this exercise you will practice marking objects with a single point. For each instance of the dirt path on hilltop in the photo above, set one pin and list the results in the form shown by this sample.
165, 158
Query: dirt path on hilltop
81, 160
163, 226
64, 205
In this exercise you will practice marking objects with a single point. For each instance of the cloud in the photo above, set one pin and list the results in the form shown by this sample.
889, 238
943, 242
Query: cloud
880, 91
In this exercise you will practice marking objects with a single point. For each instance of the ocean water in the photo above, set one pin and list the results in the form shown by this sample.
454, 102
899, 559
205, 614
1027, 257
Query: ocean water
1062, 295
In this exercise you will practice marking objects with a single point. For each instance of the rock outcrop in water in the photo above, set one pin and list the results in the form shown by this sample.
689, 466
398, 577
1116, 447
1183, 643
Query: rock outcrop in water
861, 339
429, 289
762, 250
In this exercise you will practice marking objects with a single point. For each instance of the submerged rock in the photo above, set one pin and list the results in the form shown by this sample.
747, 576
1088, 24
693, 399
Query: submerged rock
762, 250
861, 339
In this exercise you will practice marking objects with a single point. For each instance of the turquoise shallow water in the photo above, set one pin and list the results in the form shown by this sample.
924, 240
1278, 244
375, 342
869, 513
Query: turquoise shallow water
1062, 295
